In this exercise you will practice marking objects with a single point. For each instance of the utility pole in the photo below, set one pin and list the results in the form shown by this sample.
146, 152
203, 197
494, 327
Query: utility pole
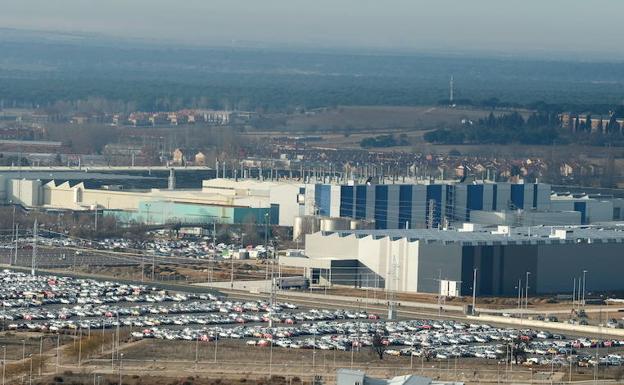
474, 290
16, 241
95, 210
34, 250
3, 364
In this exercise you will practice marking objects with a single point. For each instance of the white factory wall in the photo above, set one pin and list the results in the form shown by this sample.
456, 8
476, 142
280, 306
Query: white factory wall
286, 197
24, 192
332, 246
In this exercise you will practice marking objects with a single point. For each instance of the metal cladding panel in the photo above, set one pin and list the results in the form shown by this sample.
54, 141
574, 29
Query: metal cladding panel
393, 207
419, 206
474, 198
460, 208
370, 202
559, 264
381, 206
405, 206
334, 200
360, 202
530, 192
324, 199
347, 197
517, 196
310, 199
581, 207
599, 211
488, 197
437, 260
543, 196
503, 196
562, 205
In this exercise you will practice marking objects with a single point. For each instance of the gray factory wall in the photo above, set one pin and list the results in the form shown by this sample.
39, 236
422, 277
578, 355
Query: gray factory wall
435, 260
352, 273
499, 268
559, 264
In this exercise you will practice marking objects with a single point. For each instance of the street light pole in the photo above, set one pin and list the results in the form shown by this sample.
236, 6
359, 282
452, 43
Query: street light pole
3, 364
120, 367
58, 351
474, 290
528, 273
583, 300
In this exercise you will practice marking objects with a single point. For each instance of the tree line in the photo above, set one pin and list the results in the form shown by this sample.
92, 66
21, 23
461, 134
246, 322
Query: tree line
538, 128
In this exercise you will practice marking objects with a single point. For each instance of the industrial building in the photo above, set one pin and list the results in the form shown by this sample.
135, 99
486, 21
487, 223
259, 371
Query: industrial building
311, 207
400, 206
153, 206
431, 260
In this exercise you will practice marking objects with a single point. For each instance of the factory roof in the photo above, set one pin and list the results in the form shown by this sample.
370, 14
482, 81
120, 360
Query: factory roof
500, 235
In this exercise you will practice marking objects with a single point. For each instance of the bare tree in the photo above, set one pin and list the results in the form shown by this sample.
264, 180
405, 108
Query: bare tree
378, 345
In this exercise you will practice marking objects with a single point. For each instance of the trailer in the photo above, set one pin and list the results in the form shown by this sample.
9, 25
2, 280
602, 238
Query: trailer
299, 282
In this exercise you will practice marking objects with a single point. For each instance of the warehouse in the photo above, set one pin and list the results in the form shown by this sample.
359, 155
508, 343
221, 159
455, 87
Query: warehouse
425, 260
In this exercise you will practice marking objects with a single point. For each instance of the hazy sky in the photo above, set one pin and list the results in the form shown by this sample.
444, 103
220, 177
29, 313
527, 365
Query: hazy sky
513, 26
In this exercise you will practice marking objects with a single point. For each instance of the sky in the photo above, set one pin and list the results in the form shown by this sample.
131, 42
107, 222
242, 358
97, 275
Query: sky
506, 26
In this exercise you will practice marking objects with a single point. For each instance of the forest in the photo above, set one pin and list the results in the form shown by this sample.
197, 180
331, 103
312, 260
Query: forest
133, 76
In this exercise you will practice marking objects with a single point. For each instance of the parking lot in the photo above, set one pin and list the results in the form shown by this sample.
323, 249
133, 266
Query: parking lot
66, 305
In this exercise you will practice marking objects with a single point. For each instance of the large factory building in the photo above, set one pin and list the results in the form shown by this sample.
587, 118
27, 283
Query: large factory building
401, 206
430, 261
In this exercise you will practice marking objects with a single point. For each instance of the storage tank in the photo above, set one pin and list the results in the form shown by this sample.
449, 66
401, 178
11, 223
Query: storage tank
359, 224
334, 224
307, 224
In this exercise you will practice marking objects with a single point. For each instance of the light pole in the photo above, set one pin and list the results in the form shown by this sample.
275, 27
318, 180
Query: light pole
573, 292
583, 300
58, 351
31, 367
528, 273
474, 290
196, 350
3, 364
519, 287
216, 346
120, 367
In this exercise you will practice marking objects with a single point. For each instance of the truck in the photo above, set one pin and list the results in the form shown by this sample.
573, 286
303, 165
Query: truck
285, 283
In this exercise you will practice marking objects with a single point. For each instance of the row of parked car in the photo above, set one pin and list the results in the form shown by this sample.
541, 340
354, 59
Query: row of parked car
61, 304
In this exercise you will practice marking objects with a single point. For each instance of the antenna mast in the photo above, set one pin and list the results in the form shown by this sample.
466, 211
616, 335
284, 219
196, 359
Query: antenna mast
451, 91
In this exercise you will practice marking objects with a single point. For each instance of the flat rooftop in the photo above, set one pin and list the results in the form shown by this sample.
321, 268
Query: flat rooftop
490, 236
